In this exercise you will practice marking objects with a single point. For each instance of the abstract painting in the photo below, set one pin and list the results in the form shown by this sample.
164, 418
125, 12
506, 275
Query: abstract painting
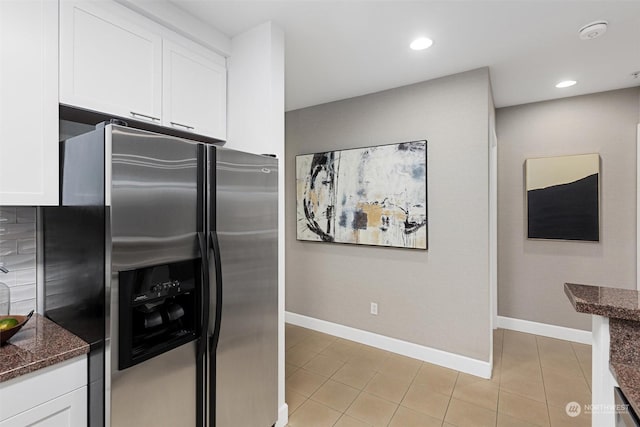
368, 196
563, 197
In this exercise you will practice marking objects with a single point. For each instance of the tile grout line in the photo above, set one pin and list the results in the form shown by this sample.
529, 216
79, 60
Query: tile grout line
581, 370
307, 398
450, 398
546, 400
363, 390
350, 405
405, 394
360, 391
356, 398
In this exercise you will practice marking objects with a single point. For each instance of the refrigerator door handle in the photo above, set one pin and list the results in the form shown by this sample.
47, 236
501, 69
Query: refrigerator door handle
215, 246
202, 343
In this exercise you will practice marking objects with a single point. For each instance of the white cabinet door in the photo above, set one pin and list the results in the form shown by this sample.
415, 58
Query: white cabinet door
68, 410
194, 90
53, 396
109, 61
28, 102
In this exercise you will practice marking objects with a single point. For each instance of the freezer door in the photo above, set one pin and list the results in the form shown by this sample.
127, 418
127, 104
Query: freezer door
244, 369
155, 198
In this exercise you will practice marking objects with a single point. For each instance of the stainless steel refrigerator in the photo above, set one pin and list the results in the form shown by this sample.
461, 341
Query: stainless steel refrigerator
163, 256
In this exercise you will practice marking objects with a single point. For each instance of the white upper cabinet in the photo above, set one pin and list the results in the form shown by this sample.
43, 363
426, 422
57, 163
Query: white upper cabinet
29, 102
194, 90
115, 61
108, 61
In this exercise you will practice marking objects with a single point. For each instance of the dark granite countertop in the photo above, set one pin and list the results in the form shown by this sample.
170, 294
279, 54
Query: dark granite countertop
628, 378
40, 343
607, 302
622, 307
624, 358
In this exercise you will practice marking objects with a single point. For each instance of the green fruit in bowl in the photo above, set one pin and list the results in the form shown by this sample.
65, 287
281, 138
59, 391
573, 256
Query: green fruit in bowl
8, 323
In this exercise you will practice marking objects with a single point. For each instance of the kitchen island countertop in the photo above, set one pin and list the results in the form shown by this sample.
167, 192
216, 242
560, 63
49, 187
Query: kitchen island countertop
40, 343
603, 301
622, 308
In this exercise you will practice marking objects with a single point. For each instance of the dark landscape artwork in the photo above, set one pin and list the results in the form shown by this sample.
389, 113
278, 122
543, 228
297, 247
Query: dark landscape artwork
368, 196
563, 197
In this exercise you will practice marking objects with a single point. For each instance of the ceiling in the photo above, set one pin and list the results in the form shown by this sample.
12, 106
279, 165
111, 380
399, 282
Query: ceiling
341, 49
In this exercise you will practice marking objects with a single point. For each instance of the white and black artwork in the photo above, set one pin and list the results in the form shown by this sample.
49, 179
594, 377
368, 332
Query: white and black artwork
563, 197
370, 196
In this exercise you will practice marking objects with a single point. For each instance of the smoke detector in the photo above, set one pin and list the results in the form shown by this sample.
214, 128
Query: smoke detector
593, 30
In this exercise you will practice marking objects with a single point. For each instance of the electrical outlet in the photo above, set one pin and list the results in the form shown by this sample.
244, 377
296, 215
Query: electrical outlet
374, 308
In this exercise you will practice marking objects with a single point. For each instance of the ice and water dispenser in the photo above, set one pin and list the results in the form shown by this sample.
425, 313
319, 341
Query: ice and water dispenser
159, 310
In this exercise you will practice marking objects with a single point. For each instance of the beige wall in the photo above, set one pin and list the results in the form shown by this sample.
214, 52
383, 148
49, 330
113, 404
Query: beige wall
437, 298
531, 273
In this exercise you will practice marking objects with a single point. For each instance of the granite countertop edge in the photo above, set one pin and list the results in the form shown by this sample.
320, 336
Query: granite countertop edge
614, 307
42, 363
38, 345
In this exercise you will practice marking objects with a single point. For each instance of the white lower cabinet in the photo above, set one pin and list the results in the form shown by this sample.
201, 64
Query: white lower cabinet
69, 410
55, 396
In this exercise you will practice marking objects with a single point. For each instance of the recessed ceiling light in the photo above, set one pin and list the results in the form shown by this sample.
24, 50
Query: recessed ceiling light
421, 43
566, 83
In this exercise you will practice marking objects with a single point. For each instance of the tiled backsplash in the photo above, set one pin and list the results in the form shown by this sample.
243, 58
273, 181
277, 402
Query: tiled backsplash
18, 241
18, 255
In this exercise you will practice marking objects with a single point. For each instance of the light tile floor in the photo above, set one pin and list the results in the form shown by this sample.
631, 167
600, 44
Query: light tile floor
334, 382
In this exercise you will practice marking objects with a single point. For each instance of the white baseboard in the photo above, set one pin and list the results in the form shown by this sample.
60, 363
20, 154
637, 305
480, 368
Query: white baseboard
283, 416
546, 330
460, 363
